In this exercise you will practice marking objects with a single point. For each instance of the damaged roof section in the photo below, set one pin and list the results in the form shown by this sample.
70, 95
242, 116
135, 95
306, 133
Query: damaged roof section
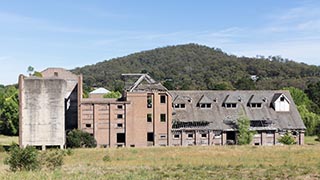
141, 83
220, 117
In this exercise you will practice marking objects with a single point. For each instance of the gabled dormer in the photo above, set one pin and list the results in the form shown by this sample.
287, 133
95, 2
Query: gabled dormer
180, 102
280, 103
231, 101
205, 102
255, 102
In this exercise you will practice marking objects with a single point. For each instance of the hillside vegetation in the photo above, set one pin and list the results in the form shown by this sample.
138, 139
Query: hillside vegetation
195, 66
223, 162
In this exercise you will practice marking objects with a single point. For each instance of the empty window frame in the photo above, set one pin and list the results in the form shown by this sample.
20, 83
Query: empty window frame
150, 136
149, 117
282, 98
180, 106
162, 99
176, 136
121, 138
149, 101
205, 105
163, 136
231, 105
120, 116
119, 125
204, 135
119, 106
256, 105
163, 118
88, 125
190, 135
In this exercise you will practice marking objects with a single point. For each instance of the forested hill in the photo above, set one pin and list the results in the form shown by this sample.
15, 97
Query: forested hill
193, 66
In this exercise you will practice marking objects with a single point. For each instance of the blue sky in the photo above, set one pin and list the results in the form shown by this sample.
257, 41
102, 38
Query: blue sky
70, 34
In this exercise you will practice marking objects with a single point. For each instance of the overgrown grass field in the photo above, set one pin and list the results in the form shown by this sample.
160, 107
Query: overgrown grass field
228, 162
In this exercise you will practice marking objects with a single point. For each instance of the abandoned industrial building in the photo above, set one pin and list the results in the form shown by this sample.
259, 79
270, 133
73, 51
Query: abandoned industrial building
148, 114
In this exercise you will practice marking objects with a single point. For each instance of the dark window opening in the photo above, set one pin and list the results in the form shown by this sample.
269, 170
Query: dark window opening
150, 136
204, 135
119, 125
149, 117
176, 136
256, 144
190, 135
119, 106
162, 117
55, 74
177, 106
256, 105
205, 105
132, 145
121, 138
149, 101
163, 136
162, 99
282, 98
231, 105
88, 125
119, 116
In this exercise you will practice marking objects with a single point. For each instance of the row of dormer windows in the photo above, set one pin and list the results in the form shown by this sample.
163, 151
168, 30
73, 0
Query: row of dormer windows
226, 105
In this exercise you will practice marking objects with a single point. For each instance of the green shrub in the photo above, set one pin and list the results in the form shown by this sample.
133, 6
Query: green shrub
244, 136
22, 159
106, 158
52, 159
77, 138
2, 149
287, 139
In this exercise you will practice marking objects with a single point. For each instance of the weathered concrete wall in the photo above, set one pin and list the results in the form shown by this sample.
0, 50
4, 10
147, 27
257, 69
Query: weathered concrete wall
42, 108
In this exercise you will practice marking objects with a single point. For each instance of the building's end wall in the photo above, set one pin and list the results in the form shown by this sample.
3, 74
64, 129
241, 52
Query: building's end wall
42, 111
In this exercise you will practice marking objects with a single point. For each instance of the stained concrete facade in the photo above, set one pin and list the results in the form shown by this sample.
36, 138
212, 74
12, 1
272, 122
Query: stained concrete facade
48, 107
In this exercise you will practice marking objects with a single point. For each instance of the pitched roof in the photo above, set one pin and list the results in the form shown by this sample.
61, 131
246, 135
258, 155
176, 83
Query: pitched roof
100, 91
222, 118
205, 100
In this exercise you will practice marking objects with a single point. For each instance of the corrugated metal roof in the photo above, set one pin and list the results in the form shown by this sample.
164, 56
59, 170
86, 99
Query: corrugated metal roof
100, 91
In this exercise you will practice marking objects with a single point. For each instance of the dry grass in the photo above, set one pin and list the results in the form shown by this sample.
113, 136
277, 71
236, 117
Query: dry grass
230, 162
7, 140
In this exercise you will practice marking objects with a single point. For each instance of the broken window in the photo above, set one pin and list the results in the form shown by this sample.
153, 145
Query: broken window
282, 98
150, 136
163, 99
88, 125
230, 105
178, 106
119, 106
162, 117
119, 125
205, 105
176, 136
190, 135
149, 117
256, 105
121, 138
119, 116
149, 101
163, 136
203, 135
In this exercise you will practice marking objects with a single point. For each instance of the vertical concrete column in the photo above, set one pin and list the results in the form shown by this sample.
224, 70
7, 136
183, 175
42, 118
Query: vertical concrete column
223, 138
275, 138
197, 138
301, 138
156, 118
169, 119
263, 138
79, 102
210, 138
21, 100
183, 138
95, 119
111, 128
